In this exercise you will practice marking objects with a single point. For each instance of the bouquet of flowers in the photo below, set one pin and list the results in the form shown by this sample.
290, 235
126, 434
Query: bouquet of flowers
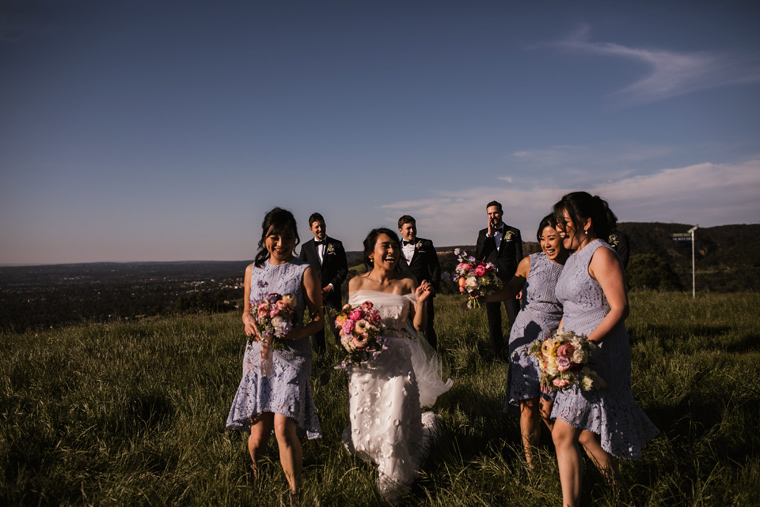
564, 360
475, 278
360, 333
274, 315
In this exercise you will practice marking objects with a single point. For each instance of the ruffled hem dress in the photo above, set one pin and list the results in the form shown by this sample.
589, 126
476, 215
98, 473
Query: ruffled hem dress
612, 413
286, 391
539, 317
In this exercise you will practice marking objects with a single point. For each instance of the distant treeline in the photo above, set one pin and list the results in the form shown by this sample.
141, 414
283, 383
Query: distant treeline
44, 296
727, 259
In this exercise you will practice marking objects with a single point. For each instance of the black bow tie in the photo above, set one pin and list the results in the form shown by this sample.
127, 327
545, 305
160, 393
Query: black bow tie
319, 242
404, 242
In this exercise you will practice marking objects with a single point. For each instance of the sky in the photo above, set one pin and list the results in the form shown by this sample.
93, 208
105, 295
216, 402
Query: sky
165, 130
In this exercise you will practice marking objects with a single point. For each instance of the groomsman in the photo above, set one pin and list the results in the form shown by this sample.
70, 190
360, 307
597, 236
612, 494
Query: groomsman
501, 245
327, 258
419, 258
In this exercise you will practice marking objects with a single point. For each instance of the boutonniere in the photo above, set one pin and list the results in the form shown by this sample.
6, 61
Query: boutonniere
418, 245
330, 249
508, 235
613, 240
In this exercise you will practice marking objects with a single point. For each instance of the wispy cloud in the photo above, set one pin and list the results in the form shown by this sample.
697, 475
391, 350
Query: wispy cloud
671, 73
583, 165
708, 194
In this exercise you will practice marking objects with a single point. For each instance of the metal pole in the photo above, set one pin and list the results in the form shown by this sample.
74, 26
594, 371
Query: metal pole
693, 269
693, 263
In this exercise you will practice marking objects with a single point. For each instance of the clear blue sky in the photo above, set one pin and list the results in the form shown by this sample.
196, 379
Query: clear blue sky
158, 130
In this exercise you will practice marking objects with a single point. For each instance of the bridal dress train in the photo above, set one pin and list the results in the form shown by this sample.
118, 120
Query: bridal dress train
386, 424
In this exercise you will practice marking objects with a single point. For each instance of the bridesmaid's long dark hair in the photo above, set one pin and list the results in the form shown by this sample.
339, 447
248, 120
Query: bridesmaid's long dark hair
278, 221
582, 205
371, 240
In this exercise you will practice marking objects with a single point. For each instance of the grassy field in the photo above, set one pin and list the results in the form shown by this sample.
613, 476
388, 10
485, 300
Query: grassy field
133, 414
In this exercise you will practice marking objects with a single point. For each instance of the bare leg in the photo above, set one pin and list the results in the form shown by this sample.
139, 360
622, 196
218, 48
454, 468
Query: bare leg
605, 462
569, 461
530, 427
546, 412
261, 428
291, 455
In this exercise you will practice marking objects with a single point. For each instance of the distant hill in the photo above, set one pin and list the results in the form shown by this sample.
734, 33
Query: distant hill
727, 256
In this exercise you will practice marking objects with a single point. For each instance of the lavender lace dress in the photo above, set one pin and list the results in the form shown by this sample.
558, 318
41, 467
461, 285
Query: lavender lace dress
539, 317
611, 413
287, 390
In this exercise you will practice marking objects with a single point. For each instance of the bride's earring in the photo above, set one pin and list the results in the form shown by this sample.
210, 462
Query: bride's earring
585, 231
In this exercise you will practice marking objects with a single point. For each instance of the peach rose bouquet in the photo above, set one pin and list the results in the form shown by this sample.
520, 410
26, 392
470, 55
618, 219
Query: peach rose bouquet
564, 359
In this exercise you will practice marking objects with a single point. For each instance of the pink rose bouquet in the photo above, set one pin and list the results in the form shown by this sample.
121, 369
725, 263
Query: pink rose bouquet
564, 359
475, 278
274, 315
360, 333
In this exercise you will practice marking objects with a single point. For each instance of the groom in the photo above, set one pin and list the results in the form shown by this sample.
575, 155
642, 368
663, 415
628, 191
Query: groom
501, 245
327, 258
418, 257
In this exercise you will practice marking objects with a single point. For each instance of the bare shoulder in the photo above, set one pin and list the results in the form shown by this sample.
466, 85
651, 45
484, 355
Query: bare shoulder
604, 255
604, 261
409, 278
523, 267
356, 282
407, 284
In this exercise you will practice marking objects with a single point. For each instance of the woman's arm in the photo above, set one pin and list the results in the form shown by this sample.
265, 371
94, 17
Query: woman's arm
418, 310
606, 269
249, 324
312, 294
514, 286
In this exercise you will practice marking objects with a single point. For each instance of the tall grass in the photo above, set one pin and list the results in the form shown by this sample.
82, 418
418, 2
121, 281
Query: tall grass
133, 414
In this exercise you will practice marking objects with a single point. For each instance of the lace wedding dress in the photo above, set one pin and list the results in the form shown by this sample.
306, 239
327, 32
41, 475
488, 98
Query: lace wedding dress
386, 423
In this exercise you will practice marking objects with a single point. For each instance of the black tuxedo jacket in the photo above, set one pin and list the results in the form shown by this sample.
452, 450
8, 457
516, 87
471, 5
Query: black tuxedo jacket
507, 257
333, 269
424, 264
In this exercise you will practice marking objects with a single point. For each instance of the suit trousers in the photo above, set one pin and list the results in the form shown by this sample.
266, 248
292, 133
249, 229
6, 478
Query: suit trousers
430, 335
318, 338
493, 313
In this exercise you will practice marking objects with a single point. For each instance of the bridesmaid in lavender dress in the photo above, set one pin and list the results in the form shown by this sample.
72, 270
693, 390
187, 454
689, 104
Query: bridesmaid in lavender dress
607, 422
539, 317
278, 398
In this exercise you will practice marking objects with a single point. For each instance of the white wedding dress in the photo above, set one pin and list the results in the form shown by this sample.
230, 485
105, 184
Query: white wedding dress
386, 423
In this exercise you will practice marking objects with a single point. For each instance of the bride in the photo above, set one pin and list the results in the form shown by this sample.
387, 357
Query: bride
386, 423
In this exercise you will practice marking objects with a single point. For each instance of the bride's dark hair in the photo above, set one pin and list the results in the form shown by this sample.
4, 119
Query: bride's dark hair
278, 221
371, 240
582, 205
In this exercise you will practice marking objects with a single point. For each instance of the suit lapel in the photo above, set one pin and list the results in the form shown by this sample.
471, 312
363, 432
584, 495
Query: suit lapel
324, 256
313, 246
414, 255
